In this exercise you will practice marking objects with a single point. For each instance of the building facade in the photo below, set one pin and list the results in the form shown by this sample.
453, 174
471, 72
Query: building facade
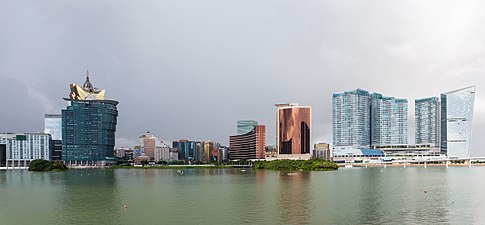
53, 125
456, 122
245, 126
249, 145
351, 119
186, 149
426, 121
148, 142
389, 121
293, 126
322, 151
88, 128
165, 153
21, 148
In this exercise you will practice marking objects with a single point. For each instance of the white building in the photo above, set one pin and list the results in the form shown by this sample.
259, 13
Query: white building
165, 153
21, 148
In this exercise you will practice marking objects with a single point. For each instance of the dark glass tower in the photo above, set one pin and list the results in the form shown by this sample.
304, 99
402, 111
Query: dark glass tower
88, 130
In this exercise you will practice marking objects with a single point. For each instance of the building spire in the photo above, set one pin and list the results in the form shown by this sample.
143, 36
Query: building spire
87, 85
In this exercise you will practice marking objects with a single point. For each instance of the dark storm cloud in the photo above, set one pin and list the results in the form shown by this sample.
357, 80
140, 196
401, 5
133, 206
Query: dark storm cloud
191, 69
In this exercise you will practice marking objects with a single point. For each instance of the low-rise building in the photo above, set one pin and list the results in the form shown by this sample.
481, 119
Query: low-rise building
21, 148
124, 153
322, 151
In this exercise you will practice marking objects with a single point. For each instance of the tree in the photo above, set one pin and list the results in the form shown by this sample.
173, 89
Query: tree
144, 163
40, 165
45, 165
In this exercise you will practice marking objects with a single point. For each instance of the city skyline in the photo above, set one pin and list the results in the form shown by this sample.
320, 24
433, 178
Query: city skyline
185, 82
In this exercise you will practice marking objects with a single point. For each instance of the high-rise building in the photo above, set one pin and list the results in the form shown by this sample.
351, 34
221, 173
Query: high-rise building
456, 122
245, 126
389, 121
426, 121
164, 153
293, 124
211, 151
88, 126
148, 142
53, 125
351, 119
185, 148
249, 145
21, 148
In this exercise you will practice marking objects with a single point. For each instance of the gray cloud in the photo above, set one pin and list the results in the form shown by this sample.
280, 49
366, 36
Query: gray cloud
190, 69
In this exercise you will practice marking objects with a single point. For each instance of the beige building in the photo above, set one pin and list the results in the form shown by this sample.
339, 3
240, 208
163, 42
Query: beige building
322, 151
148, 143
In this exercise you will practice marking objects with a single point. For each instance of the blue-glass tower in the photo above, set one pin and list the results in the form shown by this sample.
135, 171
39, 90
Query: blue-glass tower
245, 126
185, 149
456, 122
351, 119
426, 120
88, 129
389, 121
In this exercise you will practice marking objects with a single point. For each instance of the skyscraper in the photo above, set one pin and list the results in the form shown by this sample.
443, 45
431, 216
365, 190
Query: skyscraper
53, 125
249, 145
293, 129
88, 126
426, 120
245, 126
456, 122
148, 142
351, 119
186, 149
389, 121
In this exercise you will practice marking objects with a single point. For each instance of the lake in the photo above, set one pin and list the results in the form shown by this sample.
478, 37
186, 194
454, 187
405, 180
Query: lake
413, 195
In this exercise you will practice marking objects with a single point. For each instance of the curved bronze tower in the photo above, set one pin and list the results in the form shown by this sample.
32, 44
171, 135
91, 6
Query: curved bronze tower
293, 129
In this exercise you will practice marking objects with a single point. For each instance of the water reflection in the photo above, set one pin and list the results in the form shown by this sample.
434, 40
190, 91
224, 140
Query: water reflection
89, 196
232, 196
295, 205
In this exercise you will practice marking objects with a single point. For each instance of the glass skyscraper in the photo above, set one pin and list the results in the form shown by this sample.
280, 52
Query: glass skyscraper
426, 120
245, 126
53, 126
456, 122
389, 121
186, 149
351, 119
88, 126
293, 124
249, 145
88, 130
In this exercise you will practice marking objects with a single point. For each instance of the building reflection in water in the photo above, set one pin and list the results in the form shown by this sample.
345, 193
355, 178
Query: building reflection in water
90, 196
295, 204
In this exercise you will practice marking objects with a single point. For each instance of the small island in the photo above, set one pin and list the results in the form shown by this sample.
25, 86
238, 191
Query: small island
314, 164
45, 165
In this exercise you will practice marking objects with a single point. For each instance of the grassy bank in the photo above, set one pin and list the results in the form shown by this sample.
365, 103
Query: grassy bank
286, 164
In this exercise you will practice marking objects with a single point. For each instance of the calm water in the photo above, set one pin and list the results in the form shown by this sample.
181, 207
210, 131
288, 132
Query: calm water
230, 196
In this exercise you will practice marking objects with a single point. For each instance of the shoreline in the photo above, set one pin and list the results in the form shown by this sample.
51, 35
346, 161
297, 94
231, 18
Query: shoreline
410, 165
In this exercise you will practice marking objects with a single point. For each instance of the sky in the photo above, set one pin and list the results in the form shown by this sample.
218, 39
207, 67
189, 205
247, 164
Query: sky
190, 69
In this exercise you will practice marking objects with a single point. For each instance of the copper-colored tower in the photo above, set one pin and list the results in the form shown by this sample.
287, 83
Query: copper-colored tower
293, 129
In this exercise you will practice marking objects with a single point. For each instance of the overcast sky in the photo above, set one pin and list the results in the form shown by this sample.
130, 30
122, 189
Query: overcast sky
187, 69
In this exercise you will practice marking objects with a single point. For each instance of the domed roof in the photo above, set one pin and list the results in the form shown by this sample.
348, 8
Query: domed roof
141, 158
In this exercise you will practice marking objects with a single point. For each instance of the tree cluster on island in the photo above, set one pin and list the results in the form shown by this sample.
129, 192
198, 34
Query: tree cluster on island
314, 164
46, 165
